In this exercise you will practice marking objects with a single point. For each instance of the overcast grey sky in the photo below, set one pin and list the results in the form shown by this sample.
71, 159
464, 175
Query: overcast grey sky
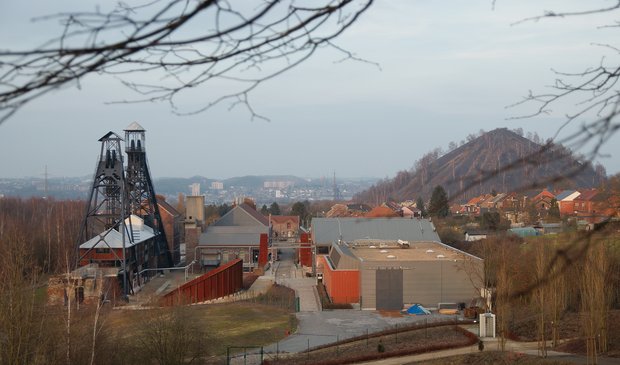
447, 69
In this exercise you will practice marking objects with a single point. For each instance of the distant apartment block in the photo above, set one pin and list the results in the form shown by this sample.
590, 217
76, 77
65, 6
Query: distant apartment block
277, 184
195, 189
217, 185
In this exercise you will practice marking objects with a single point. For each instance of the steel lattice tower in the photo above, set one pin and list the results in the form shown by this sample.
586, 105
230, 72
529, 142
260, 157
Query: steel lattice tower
141, 198
105, 205
337, 194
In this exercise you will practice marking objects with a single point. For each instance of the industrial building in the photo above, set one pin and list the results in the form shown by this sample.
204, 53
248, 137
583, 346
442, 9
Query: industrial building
325, 231
387, 263
106, 250
242, 233
123, 226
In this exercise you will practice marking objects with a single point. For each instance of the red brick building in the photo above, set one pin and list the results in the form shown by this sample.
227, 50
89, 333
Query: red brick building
584, 204
173, 227
284, 226
566, 201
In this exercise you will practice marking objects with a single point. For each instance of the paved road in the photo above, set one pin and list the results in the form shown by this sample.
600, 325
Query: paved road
288, 274
320, 328
529, 348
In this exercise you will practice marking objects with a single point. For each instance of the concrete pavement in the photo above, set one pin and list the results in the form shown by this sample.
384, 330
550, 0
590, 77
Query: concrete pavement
288, 274
321, 328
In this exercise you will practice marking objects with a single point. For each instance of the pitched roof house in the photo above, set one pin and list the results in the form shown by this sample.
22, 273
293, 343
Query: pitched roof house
584, 203
242, 233
284, 226
565, 201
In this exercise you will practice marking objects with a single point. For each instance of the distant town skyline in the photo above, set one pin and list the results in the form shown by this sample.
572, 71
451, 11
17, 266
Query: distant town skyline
444, 72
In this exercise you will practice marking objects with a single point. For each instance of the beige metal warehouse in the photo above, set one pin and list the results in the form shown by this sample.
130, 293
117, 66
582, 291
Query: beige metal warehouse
427, 273
393, 275
400, 262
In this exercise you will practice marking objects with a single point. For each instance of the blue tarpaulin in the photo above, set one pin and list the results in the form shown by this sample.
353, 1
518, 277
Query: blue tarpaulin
417, 309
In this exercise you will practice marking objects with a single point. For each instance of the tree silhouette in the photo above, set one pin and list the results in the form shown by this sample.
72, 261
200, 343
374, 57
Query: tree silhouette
420, 205
438, 206
274, 209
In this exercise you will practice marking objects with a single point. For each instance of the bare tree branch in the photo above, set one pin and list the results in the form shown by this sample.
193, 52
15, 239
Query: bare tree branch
562, 14
185, 44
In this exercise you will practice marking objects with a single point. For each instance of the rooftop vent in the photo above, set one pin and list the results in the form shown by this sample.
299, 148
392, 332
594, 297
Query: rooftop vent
384, 251
429, 251
440, 256
372, 246
391, 256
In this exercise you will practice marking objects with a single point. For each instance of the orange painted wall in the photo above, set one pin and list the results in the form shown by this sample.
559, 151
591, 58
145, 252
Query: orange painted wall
263, 251
98, 257
343, 286
305, 255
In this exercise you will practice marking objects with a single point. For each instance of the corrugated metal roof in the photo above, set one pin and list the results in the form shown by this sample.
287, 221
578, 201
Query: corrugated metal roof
243, 215
229, 239
110, 135
237, 227
135, 127
328, 230
524, 231
342, 258
114, 239
566, 194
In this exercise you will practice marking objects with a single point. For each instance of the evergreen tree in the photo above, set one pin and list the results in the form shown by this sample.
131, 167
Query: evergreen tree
223, 209
302, 210
490, 221
532, 214
554, 210
420, 205
274, 209
264, 210
438, 207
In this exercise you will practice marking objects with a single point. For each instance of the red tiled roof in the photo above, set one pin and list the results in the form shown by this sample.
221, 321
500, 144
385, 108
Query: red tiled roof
284, 218
475, 200
544, 193
380, 211
587, 195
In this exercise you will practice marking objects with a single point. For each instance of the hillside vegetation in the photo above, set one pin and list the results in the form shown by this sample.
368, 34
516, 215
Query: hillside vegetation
499, 160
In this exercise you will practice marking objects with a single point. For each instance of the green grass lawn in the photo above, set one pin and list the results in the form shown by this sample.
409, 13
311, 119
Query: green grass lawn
245, 324
231, 324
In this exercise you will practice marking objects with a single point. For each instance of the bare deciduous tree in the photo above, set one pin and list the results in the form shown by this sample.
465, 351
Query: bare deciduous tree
504, 289
20, 315
171, 336
595, 299
540, 300
594, 92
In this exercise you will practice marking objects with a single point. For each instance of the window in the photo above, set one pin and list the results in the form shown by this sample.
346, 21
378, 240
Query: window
102, 250
255, 255
288, 225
